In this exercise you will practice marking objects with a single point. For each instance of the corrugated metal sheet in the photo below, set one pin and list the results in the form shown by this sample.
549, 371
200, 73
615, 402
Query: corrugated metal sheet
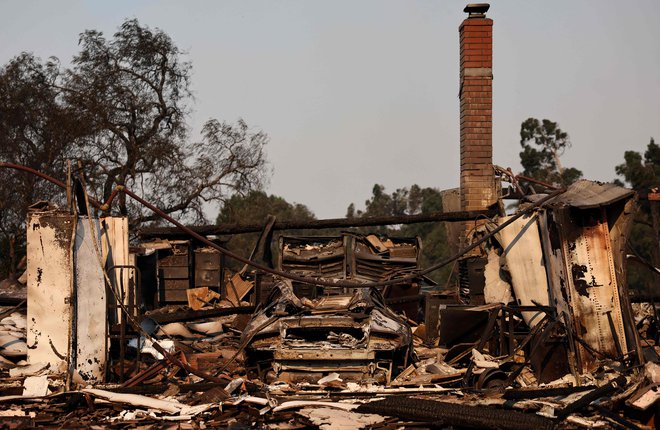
591, 287
524, 260
586, 194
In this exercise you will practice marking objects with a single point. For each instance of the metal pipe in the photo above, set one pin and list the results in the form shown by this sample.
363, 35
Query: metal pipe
219, 229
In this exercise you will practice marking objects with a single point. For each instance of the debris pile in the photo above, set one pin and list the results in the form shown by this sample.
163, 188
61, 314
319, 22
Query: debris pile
301, 340
608, 399
344, 331
13, 349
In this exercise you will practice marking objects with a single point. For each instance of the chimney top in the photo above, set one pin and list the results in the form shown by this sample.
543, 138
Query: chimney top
476, 10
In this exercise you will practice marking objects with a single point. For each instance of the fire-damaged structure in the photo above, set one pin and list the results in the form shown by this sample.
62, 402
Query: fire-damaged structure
535, 328
568, 260
359, 258
350, 256
583, 235
301, 340
552, 341
307, 331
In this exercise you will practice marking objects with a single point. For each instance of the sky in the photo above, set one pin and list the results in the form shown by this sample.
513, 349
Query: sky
354, 93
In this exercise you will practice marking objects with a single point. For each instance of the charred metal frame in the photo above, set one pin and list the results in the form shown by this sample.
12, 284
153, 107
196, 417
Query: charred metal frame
132, 305
298, 339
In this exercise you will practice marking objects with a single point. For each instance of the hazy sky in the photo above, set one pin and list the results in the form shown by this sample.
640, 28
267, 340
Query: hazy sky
354, 93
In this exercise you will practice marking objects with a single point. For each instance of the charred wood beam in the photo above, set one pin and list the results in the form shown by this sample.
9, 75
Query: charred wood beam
12, 301
587, 399
191, 315
535, 393
220, 229
445, 414
617, 418
645, 298
9, 311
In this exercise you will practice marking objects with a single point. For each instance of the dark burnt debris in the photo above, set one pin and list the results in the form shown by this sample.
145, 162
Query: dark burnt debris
348, 332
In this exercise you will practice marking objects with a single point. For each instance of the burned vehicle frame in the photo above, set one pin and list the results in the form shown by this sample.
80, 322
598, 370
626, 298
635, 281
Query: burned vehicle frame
354, 333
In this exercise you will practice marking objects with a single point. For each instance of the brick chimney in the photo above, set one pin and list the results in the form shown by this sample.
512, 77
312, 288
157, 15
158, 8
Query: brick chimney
476, 94
477, 189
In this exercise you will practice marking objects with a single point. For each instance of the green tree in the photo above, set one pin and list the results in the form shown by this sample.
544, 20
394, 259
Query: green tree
133, 92
383, 204
543, 144
35, 131
122, 109
435, 246
255, 207
642, 173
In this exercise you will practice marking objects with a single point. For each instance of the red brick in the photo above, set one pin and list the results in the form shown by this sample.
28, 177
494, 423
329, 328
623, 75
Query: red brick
473, 117
474, 22
479, 192
482, 174
477, 40
477, 161
483, 124
474, 89
481, 165
472, 132
476, 50
476, 179
475, 108
474, 99
477, 158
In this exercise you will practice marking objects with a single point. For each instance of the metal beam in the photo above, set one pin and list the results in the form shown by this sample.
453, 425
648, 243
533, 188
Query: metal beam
222, 229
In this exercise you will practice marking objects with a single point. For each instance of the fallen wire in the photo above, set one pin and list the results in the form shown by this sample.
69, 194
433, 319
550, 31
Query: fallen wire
288, 275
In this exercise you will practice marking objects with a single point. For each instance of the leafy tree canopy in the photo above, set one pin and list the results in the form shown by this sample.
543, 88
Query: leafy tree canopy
642, 173
133, 91
255, 207
35, 131
543, 144
122, 109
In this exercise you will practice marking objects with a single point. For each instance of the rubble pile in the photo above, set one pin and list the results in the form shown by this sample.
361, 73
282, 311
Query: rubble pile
345, 332
429, 393
13, 349
469, 379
